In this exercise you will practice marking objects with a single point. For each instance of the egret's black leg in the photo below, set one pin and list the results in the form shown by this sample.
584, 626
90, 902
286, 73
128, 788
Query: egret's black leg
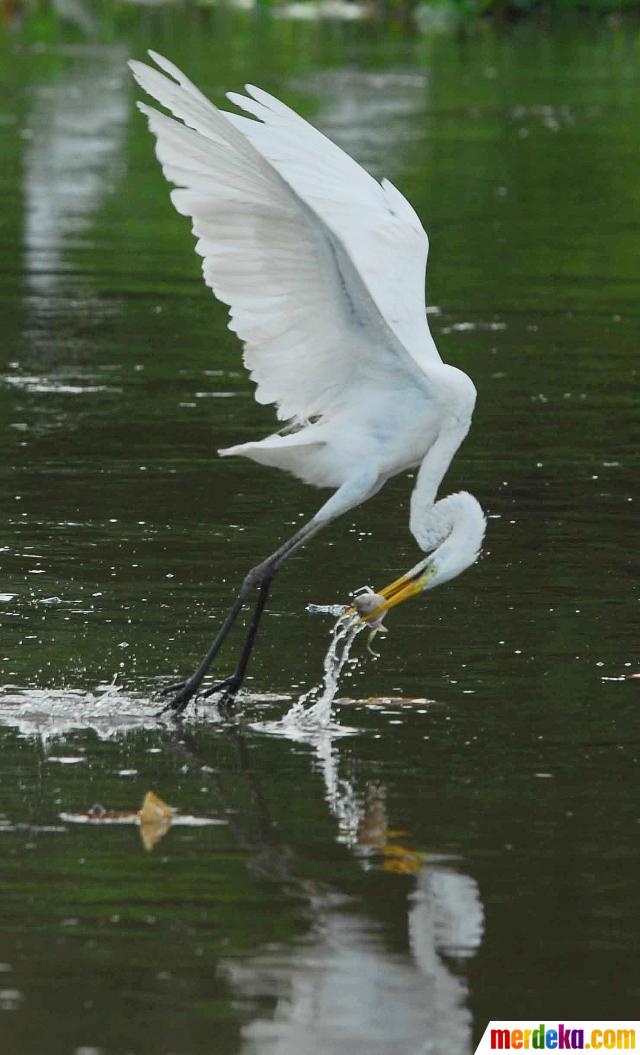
184, 690
230, 686
261, 575
348, 495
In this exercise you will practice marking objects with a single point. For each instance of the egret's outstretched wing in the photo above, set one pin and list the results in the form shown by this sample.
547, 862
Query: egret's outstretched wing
378, 227
322, 267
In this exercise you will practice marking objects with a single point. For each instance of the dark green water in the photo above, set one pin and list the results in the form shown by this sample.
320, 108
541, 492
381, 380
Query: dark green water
295, 927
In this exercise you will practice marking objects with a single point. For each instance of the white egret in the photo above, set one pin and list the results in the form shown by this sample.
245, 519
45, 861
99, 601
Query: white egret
323, 269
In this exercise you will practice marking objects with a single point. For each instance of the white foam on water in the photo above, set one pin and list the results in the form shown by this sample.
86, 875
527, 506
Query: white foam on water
52, 713
109, 710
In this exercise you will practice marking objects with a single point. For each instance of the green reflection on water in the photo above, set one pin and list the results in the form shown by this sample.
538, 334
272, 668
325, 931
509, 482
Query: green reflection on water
519, 149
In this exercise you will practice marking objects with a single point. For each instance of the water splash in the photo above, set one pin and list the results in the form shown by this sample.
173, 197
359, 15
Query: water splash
49, 714
313, 723
321, 696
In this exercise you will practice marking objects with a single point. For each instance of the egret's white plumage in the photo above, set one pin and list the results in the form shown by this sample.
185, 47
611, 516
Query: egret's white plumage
323, 270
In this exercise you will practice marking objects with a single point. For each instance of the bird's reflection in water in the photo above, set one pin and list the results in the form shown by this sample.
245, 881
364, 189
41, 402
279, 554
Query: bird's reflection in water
342, 989
73, 158
372, 114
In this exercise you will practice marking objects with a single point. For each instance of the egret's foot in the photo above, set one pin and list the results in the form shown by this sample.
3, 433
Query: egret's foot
227, 688
182, 692
167, 690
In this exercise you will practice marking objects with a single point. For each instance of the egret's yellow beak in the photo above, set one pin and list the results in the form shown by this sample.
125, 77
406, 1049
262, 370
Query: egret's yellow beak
400, 590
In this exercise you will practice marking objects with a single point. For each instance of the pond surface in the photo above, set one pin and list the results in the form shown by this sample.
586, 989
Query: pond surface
470, 850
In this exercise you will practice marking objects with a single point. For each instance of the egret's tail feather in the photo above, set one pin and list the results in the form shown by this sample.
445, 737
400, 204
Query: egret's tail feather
295, 454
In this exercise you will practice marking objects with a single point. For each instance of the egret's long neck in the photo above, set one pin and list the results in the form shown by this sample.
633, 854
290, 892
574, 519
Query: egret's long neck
427, 524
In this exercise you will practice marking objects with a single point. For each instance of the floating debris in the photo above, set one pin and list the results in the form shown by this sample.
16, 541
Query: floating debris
154, 818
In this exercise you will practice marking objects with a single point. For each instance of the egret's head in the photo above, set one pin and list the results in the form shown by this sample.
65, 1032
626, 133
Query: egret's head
463, 526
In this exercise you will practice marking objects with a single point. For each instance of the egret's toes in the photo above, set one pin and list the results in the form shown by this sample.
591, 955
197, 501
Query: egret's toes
186, 692
227, 701
168, 690
228, 687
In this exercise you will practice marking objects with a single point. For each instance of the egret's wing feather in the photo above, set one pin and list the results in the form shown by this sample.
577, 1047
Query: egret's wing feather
378, 227
308, 319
